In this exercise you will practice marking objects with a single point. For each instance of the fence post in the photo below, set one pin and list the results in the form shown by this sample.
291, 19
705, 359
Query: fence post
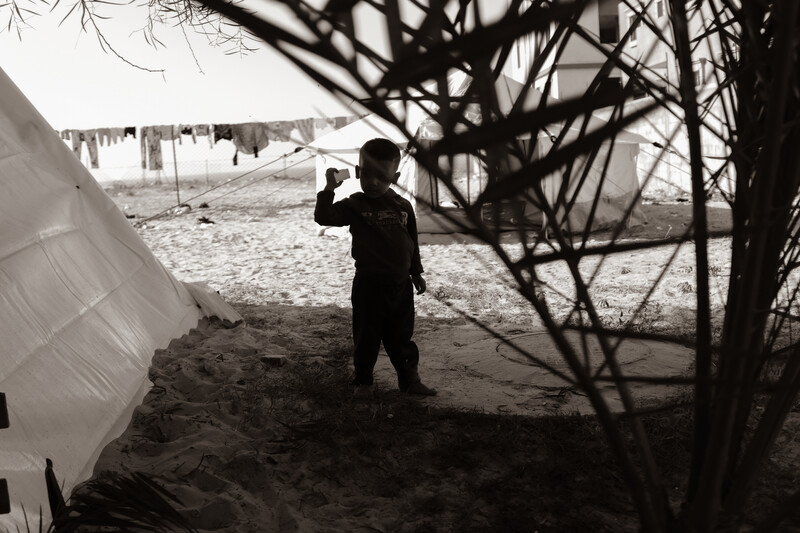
5, 501
175, 164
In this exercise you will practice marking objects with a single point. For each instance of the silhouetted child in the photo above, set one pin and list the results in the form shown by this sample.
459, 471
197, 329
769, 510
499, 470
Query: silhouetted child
386, 253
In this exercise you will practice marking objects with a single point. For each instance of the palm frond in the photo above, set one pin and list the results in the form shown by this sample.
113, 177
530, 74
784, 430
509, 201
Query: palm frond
125, 502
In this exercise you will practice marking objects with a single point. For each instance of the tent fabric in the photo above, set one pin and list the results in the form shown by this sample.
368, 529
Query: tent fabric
84, 304
600, 201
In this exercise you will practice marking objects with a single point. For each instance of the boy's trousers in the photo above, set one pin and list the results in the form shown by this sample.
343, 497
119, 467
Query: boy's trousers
383, 310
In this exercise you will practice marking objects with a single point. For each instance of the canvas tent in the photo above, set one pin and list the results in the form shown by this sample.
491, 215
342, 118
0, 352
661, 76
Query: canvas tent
618, 191
84, 304
605, 189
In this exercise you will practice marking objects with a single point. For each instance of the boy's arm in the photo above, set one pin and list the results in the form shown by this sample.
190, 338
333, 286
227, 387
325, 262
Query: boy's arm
327, 213
416, 262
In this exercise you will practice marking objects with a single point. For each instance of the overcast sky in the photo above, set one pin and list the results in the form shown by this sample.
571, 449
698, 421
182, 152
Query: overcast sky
75, 84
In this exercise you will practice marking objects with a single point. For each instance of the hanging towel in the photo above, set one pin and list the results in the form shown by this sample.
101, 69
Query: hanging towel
169, 132
305, 128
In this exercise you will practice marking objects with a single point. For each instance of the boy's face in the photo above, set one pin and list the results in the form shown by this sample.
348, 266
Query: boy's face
376, 176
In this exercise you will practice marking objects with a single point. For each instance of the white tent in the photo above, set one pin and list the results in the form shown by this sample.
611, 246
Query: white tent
84, 304
607, 190
340, 148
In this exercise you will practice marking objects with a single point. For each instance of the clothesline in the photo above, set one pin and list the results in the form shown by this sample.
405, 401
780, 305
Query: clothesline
248, 137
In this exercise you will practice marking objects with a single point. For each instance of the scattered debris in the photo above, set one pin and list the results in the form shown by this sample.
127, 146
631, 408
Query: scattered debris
685, 287
205, 220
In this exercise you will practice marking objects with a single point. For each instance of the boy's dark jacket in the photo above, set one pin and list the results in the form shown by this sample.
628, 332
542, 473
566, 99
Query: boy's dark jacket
384, 231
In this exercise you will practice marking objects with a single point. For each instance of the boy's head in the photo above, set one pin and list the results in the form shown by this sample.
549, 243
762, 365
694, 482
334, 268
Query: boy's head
377, 166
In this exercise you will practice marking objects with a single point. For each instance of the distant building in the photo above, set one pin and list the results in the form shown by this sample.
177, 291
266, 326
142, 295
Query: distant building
669, 168
579, 62
665, 172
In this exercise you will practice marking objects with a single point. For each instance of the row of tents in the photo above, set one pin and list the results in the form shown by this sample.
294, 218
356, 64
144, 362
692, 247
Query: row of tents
611, 175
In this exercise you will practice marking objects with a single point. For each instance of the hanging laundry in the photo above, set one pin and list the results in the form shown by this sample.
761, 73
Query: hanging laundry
143, 145
151, 146
323, 126
77, 143
188, 130
65, 135
250, 137
168, 132
281, 131
222, 131
130, 130
102, 136
90, 137
115, 135
340, 122
305, 127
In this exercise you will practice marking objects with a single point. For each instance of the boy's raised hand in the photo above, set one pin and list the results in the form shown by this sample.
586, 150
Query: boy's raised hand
419, 283
330, 179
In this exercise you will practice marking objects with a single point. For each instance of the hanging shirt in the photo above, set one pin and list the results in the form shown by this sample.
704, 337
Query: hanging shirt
222, 131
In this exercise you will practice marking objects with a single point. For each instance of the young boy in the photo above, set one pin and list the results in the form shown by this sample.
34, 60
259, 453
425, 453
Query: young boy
387, 259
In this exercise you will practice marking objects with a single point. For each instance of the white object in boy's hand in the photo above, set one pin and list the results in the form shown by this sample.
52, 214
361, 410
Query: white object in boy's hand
342, 174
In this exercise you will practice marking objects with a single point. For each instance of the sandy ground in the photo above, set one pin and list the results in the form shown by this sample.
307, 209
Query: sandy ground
260, 248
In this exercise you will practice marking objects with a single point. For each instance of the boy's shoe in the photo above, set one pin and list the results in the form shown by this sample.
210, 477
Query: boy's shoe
362, 392
419, 389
